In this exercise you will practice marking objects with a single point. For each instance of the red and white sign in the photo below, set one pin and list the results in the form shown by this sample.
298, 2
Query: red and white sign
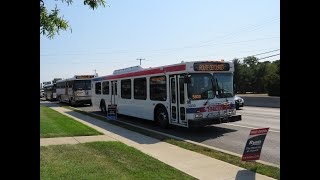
254, 144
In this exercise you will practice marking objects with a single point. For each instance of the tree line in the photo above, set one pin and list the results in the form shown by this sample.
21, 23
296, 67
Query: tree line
250, 75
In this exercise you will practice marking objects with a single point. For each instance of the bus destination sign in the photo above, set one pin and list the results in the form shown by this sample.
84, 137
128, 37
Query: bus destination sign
211, 66
84, 76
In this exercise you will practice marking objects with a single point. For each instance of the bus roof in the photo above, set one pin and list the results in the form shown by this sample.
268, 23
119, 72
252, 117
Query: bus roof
191, 66
77, 77
48, 85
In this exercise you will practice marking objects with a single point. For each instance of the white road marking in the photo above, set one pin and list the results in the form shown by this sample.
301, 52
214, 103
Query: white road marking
248, 127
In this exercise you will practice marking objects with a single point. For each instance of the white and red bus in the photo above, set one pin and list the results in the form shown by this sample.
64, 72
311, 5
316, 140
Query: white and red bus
76, 90
49, 92
189, 94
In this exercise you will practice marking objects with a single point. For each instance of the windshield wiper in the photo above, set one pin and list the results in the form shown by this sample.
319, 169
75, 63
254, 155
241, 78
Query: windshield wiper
219, 89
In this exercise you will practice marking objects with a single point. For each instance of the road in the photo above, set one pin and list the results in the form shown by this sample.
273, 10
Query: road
229, 136
260, 117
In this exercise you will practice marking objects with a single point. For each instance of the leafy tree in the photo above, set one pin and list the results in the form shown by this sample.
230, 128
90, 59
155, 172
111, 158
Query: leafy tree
51, 22
251, 61
236, 74
258, 77
273, 79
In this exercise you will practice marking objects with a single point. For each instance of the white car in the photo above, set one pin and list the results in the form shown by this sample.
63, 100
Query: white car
239, 102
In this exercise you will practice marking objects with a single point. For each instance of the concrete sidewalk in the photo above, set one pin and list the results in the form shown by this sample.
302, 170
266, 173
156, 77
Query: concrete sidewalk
192, 163
73, 140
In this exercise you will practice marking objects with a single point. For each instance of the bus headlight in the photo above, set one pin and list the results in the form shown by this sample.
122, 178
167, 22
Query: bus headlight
198, 116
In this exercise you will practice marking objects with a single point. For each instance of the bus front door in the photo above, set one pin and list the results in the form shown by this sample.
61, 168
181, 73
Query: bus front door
114, 92
178, 101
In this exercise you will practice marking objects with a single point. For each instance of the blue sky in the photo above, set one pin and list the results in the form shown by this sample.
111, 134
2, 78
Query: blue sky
160, 31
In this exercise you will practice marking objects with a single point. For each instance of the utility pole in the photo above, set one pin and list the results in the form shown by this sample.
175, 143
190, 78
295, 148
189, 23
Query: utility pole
95, 73
140, 60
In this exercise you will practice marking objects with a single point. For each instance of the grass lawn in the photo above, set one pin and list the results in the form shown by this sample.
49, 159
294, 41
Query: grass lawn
55, 124
102, 160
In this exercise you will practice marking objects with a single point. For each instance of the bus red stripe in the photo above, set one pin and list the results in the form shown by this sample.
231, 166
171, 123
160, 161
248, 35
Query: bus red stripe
148, 72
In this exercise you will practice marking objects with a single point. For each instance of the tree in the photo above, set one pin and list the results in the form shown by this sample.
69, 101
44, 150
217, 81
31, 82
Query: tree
273, 79
251, 61
237, 75
51, 22
260, 76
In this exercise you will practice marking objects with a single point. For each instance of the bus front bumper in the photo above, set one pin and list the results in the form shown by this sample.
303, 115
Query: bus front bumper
209, 121
83, 100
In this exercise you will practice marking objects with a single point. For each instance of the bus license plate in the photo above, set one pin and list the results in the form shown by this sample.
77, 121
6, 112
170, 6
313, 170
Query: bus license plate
213, 114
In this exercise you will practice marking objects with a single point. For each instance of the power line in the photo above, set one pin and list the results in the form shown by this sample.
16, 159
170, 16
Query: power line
208, 55
260, 53
201, 44
255, 27
269, 56
212, 45
124, 52
266, 52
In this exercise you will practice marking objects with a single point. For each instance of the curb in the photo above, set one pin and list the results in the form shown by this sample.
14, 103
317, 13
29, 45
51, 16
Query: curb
185, 140
263, 106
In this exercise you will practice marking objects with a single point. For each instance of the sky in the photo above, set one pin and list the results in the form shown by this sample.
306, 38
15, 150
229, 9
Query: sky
161, 32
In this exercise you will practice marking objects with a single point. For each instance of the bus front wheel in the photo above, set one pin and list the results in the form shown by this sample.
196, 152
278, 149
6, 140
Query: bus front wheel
162, 117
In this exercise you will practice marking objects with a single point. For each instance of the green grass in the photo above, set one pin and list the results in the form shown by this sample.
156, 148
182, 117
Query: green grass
260, 168
55, 124
102, 160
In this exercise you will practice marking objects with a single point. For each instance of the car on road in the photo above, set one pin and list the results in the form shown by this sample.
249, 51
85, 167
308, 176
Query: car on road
239, 102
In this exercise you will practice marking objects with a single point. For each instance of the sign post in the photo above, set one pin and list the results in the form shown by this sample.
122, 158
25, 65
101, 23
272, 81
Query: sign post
112, 112
254, 144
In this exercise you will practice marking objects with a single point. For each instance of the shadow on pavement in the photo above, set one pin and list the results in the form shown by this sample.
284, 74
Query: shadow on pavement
198, 134
245, 175
202, 134
194, 134
131, 135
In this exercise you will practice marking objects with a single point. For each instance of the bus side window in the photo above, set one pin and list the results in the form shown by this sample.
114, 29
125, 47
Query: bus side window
140, 88
158, 88
98, 88
105, 87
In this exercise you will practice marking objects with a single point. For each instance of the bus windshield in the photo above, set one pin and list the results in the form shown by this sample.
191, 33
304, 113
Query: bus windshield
82, 85
224, 84
201, 87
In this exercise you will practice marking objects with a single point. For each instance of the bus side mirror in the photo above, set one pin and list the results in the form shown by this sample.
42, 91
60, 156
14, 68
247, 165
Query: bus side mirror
187, 79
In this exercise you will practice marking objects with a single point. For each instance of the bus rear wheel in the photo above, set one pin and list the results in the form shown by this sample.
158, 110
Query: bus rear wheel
162, 117
103, 108
72, 102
